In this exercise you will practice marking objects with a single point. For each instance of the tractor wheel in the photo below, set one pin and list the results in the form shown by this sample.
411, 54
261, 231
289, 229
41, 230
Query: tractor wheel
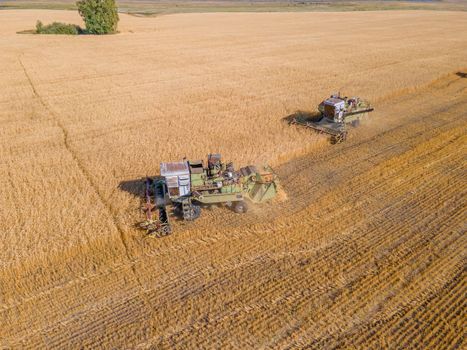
240, 207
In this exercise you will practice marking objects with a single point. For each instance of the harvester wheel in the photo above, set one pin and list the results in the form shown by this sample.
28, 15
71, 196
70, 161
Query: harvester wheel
177, 210
240, 207
192, 212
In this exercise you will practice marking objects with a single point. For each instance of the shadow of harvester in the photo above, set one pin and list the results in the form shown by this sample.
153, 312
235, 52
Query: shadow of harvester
134, 187
302, 116
137, 188
461, 74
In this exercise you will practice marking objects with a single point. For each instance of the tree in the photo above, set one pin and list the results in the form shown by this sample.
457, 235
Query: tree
57, 28
100, 16
39, 27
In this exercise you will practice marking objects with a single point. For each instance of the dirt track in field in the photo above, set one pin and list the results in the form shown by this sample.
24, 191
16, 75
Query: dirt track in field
367, 250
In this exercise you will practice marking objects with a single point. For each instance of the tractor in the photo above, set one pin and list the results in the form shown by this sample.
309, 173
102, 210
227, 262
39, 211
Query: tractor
187, 186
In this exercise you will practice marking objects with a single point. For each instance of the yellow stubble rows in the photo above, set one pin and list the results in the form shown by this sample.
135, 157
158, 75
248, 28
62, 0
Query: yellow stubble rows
82, 115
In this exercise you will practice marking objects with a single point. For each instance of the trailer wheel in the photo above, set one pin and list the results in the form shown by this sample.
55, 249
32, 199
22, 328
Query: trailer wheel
240, 207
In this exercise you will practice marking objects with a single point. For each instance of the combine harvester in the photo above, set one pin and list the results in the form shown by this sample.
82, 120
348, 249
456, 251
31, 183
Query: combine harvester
187, 185
335, 113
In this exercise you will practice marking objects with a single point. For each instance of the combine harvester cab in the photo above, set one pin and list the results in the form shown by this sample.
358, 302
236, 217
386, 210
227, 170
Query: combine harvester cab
189, 185
336, 113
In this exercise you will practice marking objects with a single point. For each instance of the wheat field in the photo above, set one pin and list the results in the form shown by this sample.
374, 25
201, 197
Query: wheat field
366, 249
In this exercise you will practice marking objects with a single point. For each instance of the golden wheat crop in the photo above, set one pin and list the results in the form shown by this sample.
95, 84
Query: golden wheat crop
368, 250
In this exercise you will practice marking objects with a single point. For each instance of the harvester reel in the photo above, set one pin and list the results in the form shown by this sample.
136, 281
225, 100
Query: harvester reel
148, 207
155, 228
339, 138
149, 225
164, 230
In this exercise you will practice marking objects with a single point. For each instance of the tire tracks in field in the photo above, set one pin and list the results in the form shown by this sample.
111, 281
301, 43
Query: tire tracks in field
344, 244
87, 175
443, 81
132, 262
377, 325
425, 124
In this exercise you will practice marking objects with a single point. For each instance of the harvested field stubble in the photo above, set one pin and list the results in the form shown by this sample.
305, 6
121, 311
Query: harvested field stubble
368, 249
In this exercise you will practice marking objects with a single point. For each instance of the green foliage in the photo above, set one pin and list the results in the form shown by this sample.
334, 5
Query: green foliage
39, 27
100, 16
57, 28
